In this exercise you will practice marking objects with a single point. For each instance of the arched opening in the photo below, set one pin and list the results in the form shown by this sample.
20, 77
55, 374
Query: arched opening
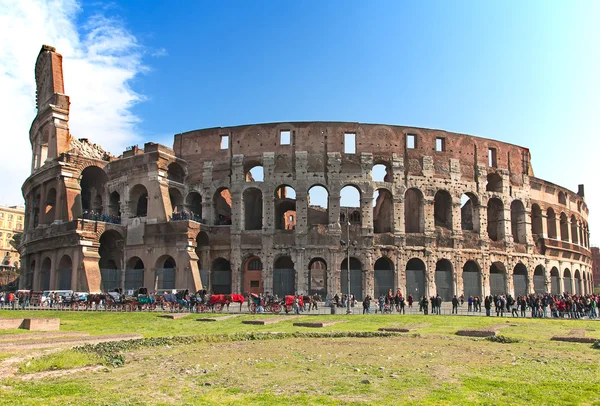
562, 198
518, 222
165, 273
92, 183
220, 277
520, 282
45, 274
574, 236
356, 277
222, 207
564, 227
551, 220
203, 253
350, 205
134, 274
383, 211
317, 277
495, 217
194, 206
497, 279
536, 220
29, 275
539, 280
63, 272
580, 227
469, 212
318, 205
443, 279
567, 281
255, 173
36, 210
471, 279
50, 212
442, 209
577, 282
111, 253
175, 172
176, 199
253, 275
114, 207
285, 208
555, 281
284, 277
413, 211
415, 278
139, 201
382, 173
494, 183
253, 209
383, 276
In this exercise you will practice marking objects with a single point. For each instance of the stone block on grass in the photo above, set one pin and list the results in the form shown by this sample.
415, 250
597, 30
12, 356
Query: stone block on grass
42, 324
174, 316
10, 324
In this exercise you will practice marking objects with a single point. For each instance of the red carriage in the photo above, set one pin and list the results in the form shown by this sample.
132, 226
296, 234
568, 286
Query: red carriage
218, 301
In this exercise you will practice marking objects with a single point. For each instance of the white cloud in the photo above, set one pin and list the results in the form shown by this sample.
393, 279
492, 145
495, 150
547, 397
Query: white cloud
100, 57
158, 53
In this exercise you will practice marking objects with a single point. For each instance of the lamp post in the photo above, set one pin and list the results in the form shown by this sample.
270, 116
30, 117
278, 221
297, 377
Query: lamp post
347, 245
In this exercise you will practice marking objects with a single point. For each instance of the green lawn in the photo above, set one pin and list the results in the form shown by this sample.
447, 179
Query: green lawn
430, 365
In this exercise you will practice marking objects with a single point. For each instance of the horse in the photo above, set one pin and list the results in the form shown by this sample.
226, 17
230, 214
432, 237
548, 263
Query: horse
94, 300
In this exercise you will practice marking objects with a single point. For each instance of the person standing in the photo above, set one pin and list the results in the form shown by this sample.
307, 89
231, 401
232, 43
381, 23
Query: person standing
454, 305
367, 305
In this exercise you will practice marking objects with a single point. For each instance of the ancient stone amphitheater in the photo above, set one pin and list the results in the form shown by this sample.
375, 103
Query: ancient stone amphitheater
291, 207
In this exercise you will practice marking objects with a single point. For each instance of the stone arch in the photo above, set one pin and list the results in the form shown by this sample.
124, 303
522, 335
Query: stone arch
539, 280
194, 206
577, 277
318, 205
254, 172
165, 273
536, 220
497, 279
562, 197
37, 201
284, 276
442, 209
564, 227
285, 208
350, 196
253, 209
494, 183
382, 172
220, 276
574, 233
518, 222
551, 222
469, 212
471, 279
356, 277
520, 280
114, 205
45, 274
50, 210
111, 254
30, 271
555, 281
92, 182
317, 277
413, 211
383, 276
383, 211
415, 278
138, 197
222, 207
253, 267
134, 274
443, 279
64, 272
176, 199
495, 218
175, 172
568, 286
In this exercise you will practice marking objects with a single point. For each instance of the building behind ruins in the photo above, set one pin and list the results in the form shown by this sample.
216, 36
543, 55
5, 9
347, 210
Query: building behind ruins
263, 208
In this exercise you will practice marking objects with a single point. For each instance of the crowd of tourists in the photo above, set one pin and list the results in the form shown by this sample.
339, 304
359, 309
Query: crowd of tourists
186, 215
106, 218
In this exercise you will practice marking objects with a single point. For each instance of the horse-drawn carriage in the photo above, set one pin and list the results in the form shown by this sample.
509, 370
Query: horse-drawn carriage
289, 302
269, 304
218, 301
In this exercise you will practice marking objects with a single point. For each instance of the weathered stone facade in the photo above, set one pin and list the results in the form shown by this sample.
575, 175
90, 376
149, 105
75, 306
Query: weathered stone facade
235, 209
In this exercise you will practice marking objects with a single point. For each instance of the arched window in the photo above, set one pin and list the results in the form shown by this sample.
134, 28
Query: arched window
139, 200
494, 183
562, 198
518, 222
574, 231
536, 220
253, 209
564, 227
350, 204
285, 208
469, 212
442, 209
382, 173
318, 205
175, 172
495, 217
92, 183
222, 207
551, 220
383, 211
255, 173
413, 211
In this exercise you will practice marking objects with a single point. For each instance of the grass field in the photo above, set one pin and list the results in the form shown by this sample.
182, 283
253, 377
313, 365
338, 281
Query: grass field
429, 365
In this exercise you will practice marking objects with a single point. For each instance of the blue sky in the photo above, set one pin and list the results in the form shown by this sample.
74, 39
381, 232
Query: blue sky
520, 72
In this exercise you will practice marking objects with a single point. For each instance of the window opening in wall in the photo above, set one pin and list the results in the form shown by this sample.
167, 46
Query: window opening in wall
285, 137
440, 144
224, 141
492, 158
350, 143
411, 141
254, 284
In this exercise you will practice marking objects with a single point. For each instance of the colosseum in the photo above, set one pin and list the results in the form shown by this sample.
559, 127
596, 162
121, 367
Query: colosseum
293, 208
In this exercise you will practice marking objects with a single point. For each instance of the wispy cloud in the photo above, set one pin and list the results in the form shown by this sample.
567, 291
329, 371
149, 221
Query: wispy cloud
157, 53
100, 58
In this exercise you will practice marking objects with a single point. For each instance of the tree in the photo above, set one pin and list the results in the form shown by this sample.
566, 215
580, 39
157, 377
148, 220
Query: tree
15, 242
